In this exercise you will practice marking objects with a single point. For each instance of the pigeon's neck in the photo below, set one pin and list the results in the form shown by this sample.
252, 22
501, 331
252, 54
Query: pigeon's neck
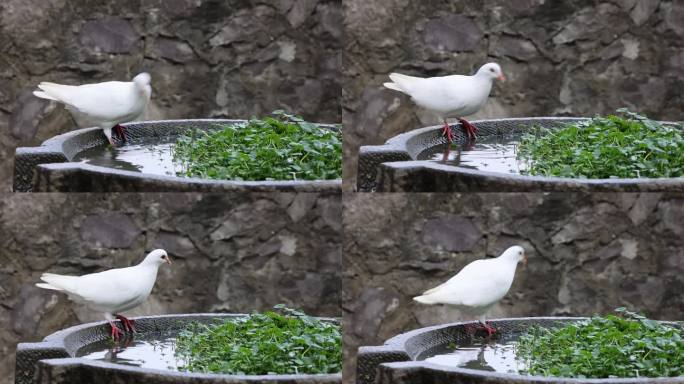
483, 77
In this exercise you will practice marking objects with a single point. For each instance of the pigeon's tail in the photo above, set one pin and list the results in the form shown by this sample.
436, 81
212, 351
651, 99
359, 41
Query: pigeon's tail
402, 83
48, 286
58, 282
425, 299
58, 92
393, 86
43, 95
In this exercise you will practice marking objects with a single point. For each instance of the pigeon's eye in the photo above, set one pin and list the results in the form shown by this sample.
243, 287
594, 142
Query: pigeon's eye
491, 70
163, 257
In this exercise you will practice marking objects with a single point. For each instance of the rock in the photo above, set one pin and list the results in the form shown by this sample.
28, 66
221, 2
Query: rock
643, 207
451, 233
26, 117
452, 33
176, 245
109, 230
671, 214
300, 11
109, 35
674, 14
173, 50
642, 10
301, 205
630, 248
515, 47
32, 305
373, 306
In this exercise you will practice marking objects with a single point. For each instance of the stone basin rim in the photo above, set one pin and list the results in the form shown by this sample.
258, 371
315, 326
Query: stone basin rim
54, 155
399, 358
58, 341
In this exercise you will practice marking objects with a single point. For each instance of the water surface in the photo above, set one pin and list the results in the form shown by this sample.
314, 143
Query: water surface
155, 158
495, 356
154, 351
493, 153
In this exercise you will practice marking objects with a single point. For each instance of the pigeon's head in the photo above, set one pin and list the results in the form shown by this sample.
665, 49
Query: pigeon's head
142, 80
492, 70
157, 257
515, 253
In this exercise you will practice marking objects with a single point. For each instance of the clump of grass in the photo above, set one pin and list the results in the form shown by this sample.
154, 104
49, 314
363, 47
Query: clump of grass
282, 342
279, 147
623, 345
605, 147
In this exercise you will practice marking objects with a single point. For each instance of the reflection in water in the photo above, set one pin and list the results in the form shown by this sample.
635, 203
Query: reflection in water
154, 158
155, 351
490, 356
494, 153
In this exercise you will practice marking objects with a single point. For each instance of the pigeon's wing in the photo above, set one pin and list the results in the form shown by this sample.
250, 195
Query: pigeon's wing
476, 285
108, 289
441, 94
470, 269
103, 101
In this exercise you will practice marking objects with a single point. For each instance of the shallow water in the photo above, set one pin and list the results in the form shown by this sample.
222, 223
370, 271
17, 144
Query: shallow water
155, 158
147, 351
496, 356
494, 153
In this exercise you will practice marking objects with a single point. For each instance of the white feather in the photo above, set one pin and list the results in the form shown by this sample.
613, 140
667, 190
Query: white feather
479, 285
101, 105
112, 291
448, 96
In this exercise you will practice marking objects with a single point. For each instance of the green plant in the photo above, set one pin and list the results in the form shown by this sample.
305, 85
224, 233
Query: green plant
623, 345
280, 147
605, 147
282, 342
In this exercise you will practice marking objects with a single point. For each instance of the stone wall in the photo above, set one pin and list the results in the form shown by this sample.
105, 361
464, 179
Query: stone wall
231, 253
207, 58
587, 254
561, 57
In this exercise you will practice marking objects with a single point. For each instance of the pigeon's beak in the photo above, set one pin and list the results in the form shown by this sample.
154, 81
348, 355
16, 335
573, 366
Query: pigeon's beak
524, 261
168, 260
501, 77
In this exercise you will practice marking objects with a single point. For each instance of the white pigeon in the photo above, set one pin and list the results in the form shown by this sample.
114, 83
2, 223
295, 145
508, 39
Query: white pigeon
450, 96
478, 286
105, 105
112, 291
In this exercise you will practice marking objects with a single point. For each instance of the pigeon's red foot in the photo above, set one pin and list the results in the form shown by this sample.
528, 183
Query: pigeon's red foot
469, 129
116, 332
120, 131
447, 132
471, 329
489, 329
129, 325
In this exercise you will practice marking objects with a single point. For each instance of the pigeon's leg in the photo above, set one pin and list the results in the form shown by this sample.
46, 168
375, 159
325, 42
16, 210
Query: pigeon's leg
116, 332
120, 131
470, 329
129, 325
487, 328
447, 132
469, 129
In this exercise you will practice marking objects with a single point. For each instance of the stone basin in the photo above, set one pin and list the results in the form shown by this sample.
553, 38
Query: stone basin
398, 361
55, 361
399, 165
52, 167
